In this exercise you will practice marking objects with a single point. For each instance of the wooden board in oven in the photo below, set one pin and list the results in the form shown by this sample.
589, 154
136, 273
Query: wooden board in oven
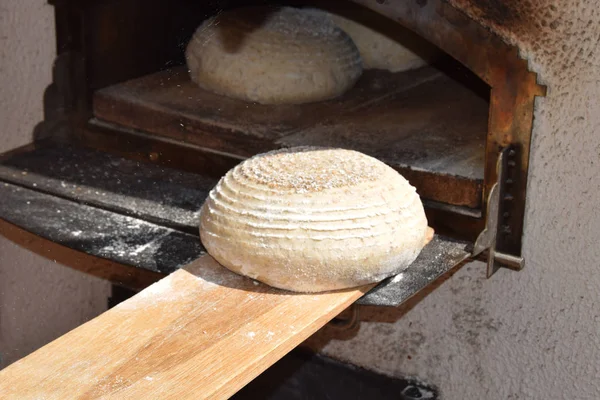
424, 123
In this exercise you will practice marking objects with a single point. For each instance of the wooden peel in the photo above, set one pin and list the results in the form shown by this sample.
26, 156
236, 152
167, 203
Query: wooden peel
203, 332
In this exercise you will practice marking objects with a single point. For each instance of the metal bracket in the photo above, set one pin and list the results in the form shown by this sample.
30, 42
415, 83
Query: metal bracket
488, 239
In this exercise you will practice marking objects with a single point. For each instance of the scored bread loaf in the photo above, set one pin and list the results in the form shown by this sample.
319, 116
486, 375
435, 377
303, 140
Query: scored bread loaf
273, 55
310, 219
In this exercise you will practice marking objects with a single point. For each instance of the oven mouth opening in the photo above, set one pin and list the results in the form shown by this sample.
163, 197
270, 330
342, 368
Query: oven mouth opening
429, 123
124, 127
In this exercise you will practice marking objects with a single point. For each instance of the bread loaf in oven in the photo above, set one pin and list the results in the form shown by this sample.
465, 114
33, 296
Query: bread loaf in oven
273, 55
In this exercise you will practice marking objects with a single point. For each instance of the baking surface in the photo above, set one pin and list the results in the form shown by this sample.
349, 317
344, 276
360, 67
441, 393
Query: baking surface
101, 233
423, 123
142, 190
438, 258
202, 332
142, 215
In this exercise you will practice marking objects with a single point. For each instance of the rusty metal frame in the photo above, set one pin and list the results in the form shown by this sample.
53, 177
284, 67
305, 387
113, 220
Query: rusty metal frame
513, 91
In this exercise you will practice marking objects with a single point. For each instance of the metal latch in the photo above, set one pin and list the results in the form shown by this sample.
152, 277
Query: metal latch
487, 240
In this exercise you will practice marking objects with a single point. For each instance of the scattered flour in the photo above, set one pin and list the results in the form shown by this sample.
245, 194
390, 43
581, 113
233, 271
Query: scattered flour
141, 248
206, 283
156, 288
157, 292
153, 243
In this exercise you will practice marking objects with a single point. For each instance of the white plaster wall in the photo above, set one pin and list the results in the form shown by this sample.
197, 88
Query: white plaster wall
39, 300
534, 334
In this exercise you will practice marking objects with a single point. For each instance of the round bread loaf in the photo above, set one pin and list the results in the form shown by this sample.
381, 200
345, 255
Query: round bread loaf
382, 43
311, 219
273, 56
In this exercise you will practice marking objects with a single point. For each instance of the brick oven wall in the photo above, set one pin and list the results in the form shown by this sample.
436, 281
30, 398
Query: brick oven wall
533, 334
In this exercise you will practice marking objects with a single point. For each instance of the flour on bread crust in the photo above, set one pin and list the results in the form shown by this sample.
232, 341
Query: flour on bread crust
314, 219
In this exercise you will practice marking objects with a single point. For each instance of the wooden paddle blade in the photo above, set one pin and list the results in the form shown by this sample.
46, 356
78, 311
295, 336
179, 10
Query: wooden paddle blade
203, 332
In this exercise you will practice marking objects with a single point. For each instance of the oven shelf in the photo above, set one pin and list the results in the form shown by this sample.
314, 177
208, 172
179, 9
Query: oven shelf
145, 216
427, 124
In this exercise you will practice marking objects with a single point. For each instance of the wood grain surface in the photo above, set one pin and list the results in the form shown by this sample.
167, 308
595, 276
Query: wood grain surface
423, 123
202, 333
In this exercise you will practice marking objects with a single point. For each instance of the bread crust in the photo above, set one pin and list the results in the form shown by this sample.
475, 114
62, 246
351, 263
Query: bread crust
314, 219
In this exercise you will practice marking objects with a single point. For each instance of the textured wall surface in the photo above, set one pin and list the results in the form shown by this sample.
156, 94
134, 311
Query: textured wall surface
39, 300
533, 334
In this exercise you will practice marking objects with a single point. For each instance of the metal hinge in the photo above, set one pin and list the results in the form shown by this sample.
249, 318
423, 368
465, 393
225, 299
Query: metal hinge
487, 240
